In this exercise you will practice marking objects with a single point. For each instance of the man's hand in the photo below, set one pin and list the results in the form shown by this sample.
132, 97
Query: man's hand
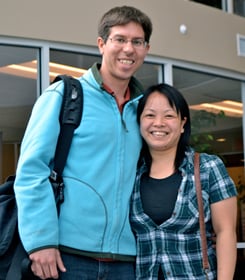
46, 263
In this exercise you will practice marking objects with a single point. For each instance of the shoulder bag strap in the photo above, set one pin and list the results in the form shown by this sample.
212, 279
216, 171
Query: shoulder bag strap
201, 211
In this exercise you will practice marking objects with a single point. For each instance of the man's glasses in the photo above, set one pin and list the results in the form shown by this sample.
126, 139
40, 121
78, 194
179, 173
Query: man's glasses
136, 43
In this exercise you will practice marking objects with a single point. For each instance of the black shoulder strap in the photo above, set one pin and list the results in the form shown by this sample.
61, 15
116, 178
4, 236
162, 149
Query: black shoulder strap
70, 118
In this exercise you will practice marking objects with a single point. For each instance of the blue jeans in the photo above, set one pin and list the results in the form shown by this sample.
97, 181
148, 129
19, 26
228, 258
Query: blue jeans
85, 268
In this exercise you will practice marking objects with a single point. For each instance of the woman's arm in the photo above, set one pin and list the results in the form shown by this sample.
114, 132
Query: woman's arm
224, 217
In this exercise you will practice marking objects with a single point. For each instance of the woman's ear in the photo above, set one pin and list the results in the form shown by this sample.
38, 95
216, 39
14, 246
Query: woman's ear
183, 124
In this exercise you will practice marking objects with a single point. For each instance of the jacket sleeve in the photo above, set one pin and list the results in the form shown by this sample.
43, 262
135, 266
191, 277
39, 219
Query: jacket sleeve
37, 216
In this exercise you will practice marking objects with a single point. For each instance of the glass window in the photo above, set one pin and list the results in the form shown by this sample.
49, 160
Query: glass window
239, 7
71, 63
216, 117
150, 74
18, 92
216, 111
234, 6
212, 3
75, 64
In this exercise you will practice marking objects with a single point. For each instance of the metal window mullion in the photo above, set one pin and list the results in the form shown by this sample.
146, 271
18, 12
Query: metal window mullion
229, 6
44, 68
168, 73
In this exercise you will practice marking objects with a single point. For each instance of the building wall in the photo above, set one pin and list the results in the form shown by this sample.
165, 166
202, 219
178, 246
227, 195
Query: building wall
210, 38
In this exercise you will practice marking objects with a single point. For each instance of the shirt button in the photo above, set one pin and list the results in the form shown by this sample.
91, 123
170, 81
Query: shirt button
174, 214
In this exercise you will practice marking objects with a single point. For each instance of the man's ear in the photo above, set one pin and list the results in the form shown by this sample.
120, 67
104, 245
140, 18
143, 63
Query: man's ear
100, 44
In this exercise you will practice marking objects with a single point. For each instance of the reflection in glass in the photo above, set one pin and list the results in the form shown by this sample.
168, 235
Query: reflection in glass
148, 74
17, 95
239, 7
212, 3
216, 117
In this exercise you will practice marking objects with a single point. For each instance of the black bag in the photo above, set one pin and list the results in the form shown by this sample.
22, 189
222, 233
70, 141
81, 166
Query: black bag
14, 261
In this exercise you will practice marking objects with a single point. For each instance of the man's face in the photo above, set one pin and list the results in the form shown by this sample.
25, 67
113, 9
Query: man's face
124, 51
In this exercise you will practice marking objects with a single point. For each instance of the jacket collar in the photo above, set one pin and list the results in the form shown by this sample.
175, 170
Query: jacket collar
135, 86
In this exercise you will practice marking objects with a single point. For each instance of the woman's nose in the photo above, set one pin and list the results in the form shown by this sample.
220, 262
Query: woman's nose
159, 121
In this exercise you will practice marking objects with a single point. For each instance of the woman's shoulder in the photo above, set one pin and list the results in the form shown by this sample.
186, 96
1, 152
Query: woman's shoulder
207, 161
210, 159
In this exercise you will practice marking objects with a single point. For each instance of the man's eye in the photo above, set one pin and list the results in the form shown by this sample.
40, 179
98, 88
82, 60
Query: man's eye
120, 40
137, 42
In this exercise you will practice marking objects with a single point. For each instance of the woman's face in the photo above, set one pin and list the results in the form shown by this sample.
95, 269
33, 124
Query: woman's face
160, 125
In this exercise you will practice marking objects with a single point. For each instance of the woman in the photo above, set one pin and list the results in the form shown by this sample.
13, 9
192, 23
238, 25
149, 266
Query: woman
164, 211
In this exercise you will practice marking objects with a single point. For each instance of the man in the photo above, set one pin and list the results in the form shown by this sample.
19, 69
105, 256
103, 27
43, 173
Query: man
92, 237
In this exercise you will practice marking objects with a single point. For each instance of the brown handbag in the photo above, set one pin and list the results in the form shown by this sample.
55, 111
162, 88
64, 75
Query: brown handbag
201, 213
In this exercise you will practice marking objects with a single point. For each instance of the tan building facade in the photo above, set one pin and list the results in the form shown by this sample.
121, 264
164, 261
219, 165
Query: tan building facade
211, 36
198, 48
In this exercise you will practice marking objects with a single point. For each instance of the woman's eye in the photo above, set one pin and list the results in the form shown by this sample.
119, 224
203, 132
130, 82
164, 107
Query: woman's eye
169, 116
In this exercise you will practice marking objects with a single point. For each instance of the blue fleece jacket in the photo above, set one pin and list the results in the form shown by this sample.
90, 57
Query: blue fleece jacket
99, 173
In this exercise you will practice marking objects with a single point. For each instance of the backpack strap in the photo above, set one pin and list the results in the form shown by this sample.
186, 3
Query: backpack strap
70, 118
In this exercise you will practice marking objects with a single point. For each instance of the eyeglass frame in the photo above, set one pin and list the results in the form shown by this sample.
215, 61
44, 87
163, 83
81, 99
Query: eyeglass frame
121, 41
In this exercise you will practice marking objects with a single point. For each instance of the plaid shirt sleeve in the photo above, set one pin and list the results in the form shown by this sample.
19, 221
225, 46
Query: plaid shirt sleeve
220, 184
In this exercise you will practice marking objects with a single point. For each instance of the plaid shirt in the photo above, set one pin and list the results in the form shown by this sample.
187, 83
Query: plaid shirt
175, 244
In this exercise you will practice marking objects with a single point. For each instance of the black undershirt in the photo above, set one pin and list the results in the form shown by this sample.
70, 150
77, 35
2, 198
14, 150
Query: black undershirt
158, 196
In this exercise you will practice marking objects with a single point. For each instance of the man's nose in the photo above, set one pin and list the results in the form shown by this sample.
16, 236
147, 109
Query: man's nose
128, 46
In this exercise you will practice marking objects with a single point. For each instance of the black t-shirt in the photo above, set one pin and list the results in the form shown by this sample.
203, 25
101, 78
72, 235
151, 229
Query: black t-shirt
158, 196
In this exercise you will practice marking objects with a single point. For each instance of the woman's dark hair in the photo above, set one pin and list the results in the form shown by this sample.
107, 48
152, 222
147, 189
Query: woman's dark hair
176, 101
